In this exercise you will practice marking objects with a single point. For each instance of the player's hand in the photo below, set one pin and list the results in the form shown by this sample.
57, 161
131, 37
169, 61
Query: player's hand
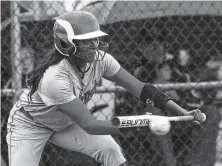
197, 114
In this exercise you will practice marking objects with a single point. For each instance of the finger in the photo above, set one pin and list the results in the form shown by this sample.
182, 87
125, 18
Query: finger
196, 122
198, 115
194, 113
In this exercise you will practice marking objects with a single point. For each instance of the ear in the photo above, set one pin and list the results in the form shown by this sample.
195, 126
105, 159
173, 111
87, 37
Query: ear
71, 48
65, 44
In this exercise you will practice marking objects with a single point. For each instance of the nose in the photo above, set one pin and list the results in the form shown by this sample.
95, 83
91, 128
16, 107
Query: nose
94, 43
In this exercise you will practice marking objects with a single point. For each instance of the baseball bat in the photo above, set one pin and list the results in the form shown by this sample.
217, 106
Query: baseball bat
144, 120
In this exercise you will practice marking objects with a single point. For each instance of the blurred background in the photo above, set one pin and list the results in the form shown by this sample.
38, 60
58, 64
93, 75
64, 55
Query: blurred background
177, 46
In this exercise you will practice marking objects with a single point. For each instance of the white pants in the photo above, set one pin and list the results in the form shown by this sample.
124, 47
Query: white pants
26, 140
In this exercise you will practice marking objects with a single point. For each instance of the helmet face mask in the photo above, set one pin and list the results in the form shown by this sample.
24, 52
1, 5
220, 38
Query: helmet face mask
88, 49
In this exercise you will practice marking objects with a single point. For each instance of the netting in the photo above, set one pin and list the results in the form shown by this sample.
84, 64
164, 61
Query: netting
175, 45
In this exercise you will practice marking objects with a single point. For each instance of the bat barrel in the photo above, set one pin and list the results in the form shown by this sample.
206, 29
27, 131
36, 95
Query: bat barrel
131, 121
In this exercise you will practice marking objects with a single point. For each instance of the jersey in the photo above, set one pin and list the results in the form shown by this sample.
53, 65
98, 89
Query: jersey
61, 84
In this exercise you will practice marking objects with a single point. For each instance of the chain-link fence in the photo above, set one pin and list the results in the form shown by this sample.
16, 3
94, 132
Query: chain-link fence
175, 45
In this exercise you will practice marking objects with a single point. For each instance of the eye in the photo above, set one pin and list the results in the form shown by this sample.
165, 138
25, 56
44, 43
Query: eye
92, 42
64, 44
87, 43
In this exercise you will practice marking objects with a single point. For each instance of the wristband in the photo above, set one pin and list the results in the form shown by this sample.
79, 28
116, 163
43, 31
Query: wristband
154, 96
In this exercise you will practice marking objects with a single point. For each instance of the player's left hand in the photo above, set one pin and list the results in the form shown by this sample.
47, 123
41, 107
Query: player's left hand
197, 114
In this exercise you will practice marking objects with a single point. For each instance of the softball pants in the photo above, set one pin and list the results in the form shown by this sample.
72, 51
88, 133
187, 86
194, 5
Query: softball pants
26, 140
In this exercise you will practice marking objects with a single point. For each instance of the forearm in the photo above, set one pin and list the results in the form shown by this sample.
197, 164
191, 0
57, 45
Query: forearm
163, 101
80, 114
174, 107
100, 127
135, 89
144, 91
160, 99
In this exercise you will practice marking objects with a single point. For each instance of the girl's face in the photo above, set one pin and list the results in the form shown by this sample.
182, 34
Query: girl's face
87, 49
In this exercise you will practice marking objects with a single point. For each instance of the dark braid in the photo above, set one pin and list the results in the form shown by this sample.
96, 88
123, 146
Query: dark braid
51, 58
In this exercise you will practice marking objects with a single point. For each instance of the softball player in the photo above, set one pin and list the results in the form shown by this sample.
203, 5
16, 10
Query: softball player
53, 107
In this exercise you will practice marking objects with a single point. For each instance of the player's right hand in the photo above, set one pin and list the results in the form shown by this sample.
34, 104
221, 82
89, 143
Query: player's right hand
198, 115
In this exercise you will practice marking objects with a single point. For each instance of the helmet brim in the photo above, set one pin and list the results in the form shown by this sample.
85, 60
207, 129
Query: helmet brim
90, 35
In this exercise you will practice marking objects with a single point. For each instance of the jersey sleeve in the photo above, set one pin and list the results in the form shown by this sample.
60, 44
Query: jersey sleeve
56, 88
111, 65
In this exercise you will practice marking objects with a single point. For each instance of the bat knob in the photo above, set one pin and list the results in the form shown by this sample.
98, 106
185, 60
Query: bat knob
204, 117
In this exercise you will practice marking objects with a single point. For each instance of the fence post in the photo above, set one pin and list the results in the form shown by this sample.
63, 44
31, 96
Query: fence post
15, 48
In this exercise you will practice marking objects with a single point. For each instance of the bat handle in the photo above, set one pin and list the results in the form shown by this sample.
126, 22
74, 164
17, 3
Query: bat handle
185, 118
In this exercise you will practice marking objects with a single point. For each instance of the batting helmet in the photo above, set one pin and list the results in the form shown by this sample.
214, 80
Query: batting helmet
78, 25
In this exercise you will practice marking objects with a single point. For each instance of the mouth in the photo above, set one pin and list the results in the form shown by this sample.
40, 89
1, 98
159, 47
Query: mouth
91, 51
91, 58
88, 55
91, 54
